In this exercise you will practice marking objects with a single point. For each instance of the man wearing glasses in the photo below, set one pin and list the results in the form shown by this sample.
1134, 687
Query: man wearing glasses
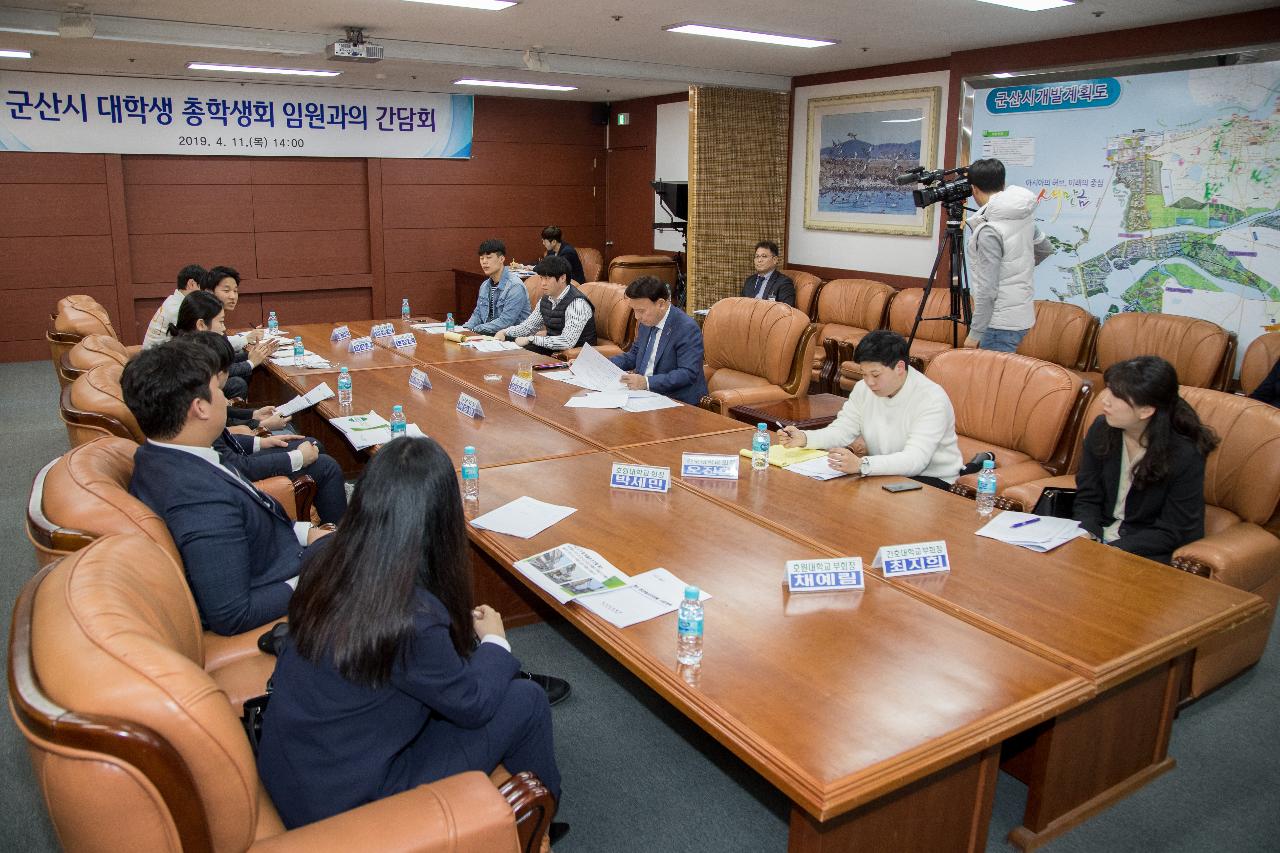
767, 282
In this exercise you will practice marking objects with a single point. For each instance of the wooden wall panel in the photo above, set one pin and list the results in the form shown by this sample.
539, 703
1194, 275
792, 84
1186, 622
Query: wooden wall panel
531, 120
48, 210
428, 292
505, 163
30, 167
159, 169
321, 207
322, 306
188, 209
26, 312
158, 257
55, 262
284, 254
317, 170
410, 249
428, 206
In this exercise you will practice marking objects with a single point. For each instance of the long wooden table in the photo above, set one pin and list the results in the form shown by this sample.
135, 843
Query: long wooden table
1069, 661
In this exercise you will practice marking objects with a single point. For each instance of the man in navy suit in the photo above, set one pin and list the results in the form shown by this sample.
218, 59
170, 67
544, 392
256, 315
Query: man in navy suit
768, 282
240, 550
666, 356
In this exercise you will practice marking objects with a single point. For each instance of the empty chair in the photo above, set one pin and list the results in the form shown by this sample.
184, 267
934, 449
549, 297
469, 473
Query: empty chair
1199, 350
933, 336
755, 352
808, 287
89, 352
1259, 359
533, 286
592, 264
1063, 333
625, 269
76, 316
615, 324
848, 308
122, 720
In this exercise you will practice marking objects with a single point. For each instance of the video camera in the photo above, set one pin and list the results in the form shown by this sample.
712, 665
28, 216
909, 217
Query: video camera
937, 189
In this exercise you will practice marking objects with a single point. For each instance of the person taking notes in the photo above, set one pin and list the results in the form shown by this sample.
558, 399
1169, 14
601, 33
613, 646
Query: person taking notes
666, 356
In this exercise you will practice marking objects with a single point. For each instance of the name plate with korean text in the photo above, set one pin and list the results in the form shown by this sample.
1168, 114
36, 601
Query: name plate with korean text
641, 478
919, 558
827, 575
419, 380
470, 406
712, 466
382, 330
523, 387
404, 341
360, 344
342, 333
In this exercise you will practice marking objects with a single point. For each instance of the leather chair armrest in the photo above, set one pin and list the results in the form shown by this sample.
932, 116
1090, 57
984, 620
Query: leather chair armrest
730, 397
711, 404
829, 373
1010, 475
221, 650
1023, 497
1243, 556
296, 495
461, 814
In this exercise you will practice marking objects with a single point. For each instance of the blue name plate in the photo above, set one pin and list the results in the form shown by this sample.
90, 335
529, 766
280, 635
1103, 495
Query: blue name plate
418, 379
830, 575
341, 333
408, 339
641, 478
382, 330
361, 344
919, 558
470, 406
712, 466
522, 387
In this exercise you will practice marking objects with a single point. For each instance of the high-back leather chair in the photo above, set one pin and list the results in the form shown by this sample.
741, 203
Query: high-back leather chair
755, 352
848, 308
615, 324
137, 747
76, 316
533, 287
933, 336
625, 269
808, 287
93, 405
1012, 405
1259, 358
89, 352
1199, 350
592, 263
1065, 334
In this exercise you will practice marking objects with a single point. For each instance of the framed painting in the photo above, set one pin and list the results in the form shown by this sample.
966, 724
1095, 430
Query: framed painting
856, 146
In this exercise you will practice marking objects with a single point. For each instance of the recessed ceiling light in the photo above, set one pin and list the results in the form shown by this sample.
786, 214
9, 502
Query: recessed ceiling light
256, 69
1002, 75
484, 5
746, 35
15, 54
1031, 5
546, 87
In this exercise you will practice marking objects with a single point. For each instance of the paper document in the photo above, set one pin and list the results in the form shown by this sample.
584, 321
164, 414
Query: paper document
363, 431
570, 572
647, 596
429, 328
525, 517
598, 400
307, 400
650, 404
1035, 532
817, 468
566, 376
783, 457
310, 360
596, 371
491, 346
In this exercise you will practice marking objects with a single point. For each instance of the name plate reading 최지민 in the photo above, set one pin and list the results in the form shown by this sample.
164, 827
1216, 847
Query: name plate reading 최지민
829, 575
712, 466
419, 380
342, 333
919, 558
523, 387
382, 330
641, 478
361, 344
470, 406
404, 341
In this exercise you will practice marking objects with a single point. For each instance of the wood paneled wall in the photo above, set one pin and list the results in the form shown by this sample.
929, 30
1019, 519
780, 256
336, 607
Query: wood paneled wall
314, 239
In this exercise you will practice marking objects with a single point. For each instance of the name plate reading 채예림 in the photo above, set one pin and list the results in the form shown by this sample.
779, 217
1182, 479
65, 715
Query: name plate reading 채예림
342, 333
470, 406
382, 330
419, 380
406, 340
919, 558
829, 575
361, 344
523, 387
641, 478
714, 466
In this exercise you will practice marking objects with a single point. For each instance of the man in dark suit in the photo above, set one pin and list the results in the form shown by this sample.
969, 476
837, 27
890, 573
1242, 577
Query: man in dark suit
768, 283
552, 241
240, 550
666, 356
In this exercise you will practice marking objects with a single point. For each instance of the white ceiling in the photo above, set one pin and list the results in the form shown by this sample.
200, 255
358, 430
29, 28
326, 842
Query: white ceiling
430, 46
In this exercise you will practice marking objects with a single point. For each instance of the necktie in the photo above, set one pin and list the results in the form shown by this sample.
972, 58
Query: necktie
760, 283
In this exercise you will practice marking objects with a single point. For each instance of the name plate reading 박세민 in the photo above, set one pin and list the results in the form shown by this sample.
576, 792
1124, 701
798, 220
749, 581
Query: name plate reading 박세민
824, 575
408, 339
419, 380
470, 406
342, 333
713, 466
920, 558
642, 478
523, 387
361, 344
382, 330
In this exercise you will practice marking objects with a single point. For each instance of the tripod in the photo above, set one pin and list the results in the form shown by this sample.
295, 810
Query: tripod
961, 308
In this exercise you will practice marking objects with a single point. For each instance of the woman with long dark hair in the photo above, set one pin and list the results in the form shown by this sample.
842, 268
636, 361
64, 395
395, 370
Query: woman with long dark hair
382, 685
200, 311
1141, 478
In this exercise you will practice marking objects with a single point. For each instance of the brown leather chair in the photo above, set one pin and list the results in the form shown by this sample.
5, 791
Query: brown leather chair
533, 287
93, 405
847, 309
625, 269
1065, 334
933, 336
76, 316
755, 352
1259, 358
1023, 497
137, 747
1016, 406
808, 288
89, 352
1200, 351
615, 324
592, 263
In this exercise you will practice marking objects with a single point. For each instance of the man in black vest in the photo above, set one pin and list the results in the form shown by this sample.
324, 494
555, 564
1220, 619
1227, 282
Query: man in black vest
564, 310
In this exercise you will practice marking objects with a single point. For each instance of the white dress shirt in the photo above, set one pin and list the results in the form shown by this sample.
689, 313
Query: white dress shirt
575, 320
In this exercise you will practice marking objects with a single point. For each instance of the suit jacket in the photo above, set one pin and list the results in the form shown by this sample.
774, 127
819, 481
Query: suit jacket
1269, 390
1159, 518
780, 288
677, 371
237, 544
570, 254
236, 451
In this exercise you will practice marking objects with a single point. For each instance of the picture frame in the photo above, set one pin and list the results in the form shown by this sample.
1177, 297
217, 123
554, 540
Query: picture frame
856, 145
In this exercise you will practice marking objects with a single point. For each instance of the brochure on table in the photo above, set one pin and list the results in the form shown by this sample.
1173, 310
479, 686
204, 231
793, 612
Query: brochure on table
365, 431
306, 401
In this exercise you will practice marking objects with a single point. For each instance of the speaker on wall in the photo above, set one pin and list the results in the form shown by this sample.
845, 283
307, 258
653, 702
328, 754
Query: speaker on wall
600, 114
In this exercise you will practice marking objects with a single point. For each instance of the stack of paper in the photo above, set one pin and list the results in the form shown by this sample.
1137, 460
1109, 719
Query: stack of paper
817, 468
784, 457
1036, 532
596, 372
488, 345
524, 517
647, 595
306, 401
364, 431
429, 328
628, 401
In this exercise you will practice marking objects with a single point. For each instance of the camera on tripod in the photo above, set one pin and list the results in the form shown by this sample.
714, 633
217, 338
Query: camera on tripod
937, 188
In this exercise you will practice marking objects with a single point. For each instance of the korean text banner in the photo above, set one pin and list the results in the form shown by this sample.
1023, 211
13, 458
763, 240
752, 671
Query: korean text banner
124, 115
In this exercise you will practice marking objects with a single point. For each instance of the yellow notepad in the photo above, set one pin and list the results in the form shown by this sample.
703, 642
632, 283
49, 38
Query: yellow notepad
784, 456
453, 336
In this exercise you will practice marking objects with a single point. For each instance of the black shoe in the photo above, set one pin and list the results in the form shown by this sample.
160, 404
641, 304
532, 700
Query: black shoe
559, 829
557, 689
975, 464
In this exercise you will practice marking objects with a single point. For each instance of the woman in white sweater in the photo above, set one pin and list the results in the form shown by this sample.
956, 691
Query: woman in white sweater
896, 421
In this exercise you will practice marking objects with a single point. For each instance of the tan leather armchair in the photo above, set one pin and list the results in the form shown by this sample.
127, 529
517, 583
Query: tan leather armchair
1259, 358
848, 308
1023, 497
1201, 352
1065, 334
1016, 406
120, 719
93, 405
89, 352
808, 288
933, 336
592, 264
755, 352
625, 269
615, 324
75, 316
533, 287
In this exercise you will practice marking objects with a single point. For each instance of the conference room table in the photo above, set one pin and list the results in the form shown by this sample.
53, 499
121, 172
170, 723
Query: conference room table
867, 709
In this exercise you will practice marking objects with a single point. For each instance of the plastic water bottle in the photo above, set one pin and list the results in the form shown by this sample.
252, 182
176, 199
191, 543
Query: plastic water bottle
405, 313
398, 423
344, 388
689, 628
760, 448
470, 475
987, 488
448, 322
273, 325
298, 349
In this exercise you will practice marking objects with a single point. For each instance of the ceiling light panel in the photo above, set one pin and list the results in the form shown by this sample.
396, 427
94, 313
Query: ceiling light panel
258, 69
747, 35
546, 87
15, 54
1031, 5
482, 5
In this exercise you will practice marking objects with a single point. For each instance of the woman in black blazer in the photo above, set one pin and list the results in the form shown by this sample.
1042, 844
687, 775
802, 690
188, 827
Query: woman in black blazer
1148, 429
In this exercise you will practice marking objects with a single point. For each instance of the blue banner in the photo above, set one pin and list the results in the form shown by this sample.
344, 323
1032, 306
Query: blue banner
1038, 97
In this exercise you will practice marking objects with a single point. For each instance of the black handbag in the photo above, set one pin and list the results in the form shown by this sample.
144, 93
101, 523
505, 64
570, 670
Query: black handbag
1056, 503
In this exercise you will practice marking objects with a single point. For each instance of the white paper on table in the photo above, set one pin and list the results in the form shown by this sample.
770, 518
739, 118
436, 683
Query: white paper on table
571, 573
649, 595
565, 376
413, 431
818, 469
596, 371
650, 404
525, 517
491, 346
363, 430
598, 400
306, 401
1043, 534
429, 328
